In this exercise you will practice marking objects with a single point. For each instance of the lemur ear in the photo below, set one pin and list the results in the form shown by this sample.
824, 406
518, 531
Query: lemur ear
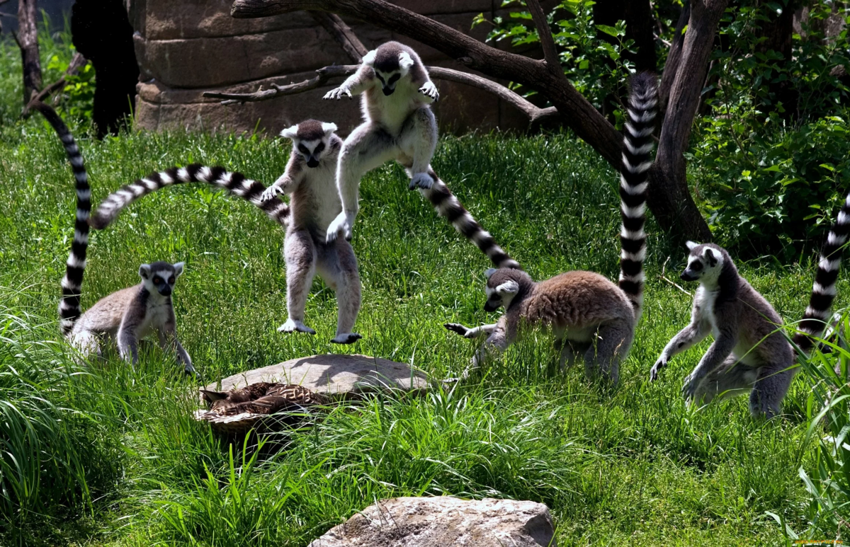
369, 58
405, 61
488, 272
289, 132
691, 245
329, 128
508, 287
178, 268
709, 255
145, 271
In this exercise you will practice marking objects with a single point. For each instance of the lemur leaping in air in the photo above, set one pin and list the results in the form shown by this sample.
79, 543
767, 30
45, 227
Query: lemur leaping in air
749, 353
310, 180
591, 317
126, 315
398, 124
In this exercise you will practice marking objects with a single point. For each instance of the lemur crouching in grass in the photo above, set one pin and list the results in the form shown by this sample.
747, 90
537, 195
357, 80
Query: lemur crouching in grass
749, 353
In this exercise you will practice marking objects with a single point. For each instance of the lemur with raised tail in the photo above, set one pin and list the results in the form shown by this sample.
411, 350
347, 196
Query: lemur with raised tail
749, 353
398, 124
590, 316
310, 181
126, 315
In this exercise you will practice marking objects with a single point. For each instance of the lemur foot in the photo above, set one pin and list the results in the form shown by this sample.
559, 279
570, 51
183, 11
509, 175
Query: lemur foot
270, 193
295, 326
458, 328
430, 91
190, 370
661, 363
689, 390
346, 338
421, 180
338, 93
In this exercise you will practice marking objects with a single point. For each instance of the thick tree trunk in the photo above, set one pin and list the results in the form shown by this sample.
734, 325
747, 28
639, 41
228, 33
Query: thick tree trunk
670, 199
27, 39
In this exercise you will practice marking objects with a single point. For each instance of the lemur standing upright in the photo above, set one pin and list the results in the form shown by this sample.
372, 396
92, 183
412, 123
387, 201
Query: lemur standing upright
749, 353
129, 314
590, 316
398, 124
310, 179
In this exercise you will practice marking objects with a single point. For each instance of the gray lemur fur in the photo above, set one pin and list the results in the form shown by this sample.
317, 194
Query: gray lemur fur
128, 314
749, 353
398, 124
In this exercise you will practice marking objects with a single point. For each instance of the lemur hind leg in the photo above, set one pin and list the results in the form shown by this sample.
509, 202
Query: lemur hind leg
337, 265
418, 141
729, 380
769, 390
300, 255
570, 352
611, 344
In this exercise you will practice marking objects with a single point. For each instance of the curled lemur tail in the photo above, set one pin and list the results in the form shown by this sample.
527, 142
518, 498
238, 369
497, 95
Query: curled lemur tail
237, 183
447, 205
72, 283
634, 183
823, 290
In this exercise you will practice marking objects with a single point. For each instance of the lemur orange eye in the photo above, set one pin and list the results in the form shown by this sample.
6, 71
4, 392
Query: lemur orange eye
171, 280
157, 280
303, 149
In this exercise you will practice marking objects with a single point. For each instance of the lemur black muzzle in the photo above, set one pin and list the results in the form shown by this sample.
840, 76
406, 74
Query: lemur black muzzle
688, 277
164, 291
388, 90
491, 307
312, 162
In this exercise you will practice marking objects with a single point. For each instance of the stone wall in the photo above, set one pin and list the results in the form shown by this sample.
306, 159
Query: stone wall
185, 47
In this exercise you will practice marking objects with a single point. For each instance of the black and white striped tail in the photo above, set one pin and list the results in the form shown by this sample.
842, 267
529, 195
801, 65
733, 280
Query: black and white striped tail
634, 183
72, 283
447, 205
823, 289
237, 183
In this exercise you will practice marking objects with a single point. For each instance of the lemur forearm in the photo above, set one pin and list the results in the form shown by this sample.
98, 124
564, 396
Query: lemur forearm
720, 349
689, 336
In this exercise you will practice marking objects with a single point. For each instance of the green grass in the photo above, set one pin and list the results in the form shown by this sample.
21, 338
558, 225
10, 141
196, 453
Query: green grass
121, 462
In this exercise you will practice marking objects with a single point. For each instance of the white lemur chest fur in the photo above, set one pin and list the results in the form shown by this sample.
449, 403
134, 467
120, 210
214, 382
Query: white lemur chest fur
704, 311
391, 111
315, 202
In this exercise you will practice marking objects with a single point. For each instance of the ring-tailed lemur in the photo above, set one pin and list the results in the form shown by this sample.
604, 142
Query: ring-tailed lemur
749, 353
310, 180
128, 314
398, 124
589, 315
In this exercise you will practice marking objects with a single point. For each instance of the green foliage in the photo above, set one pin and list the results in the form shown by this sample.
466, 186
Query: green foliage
772, 172
594, 65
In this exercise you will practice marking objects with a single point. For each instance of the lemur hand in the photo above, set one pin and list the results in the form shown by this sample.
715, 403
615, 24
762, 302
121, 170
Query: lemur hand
271, 192
338, 93
341, 224
459, 329
430, 91
661, 363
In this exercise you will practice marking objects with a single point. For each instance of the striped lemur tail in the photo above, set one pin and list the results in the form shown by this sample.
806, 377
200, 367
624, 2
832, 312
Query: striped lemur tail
823, 289
634, 182
72, 283
447, 205
239, 184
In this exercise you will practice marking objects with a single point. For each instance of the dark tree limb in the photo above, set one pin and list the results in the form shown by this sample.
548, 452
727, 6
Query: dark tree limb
550, 51
534, 113
27, 40
77, 62
341, 32
669, 197
673, 57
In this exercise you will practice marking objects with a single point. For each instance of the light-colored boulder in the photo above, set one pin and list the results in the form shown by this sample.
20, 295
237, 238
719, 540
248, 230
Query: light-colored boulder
338, 376
445, 521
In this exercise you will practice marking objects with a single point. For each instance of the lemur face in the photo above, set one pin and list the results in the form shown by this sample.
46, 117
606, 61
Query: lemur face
500, 289
391, 64
310, 140
160, 277
704, 263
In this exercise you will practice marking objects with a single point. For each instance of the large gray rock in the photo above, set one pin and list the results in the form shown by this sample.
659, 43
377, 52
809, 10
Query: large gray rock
443, 522
338, 376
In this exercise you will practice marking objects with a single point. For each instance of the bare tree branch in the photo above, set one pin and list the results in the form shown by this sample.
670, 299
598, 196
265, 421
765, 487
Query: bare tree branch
535, 113
77, 62
673, 57
550, 52
341, 32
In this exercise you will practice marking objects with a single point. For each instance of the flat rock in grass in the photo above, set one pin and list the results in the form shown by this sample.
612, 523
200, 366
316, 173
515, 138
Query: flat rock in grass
444, 521
338, 376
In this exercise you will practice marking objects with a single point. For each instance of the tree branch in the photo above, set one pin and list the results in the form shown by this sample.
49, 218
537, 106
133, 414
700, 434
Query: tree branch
342, 33
535, 114
673, 57
27, 40
77, 62
575, 111
550, 52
